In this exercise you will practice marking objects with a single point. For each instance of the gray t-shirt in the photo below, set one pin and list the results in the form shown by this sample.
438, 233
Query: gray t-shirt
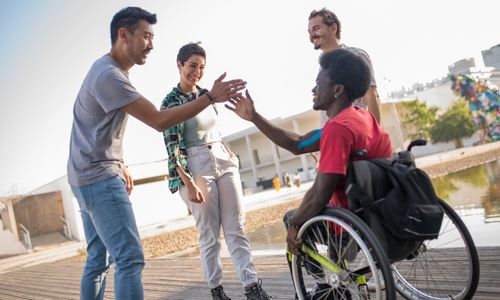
359, 102
202, 128
99, 123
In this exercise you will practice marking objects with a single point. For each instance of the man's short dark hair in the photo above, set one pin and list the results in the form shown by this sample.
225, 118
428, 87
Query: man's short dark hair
348, 69
329, 18
129, 18
188, 50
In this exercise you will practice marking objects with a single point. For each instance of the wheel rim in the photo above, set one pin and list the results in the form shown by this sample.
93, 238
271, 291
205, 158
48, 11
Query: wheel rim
444, 267
367, 258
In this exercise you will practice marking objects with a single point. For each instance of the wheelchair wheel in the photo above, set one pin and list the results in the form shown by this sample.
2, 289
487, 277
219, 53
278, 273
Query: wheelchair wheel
352, 256
443, 268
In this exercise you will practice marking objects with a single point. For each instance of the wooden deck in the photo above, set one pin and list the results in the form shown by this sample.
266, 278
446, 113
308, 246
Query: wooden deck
181, 278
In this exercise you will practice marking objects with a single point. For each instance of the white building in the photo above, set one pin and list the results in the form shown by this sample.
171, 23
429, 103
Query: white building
462, 66
491, 57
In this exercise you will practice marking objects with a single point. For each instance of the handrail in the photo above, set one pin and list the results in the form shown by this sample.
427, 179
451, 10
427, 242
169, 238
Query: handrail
26, 237
66, 228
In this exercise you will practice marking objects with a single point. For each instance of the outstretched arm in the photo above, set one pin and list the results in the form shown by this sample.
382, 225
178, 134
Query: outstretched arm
146, 112
244, 107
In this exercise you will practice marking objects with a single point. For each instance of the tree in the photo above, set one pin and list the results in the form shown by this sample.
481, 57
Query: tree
454, 125
419, 118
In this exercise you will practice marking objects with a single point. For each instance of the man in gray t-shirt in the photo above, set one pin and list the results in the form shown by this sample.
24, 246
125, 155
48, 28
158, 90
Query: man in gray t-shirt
96, 172
99, 123
324, 33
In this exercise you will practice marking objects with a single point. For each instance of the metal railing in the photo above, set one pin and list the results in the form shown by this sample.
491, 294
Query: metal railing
26, 237
66, 228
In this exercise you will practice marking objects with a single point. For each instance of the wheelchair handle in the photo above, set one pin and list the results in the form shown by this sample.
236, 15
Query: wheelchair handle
417, 142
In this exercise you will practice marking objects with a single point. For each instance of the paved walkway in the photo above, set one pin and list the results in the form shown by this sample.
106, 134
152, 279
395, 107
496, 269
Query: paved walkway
182, 279
437, 158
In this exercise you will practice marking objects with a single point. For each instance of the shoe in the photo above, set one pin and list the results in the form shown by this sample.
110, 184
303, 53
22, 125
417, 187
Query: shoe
312, 267
343, 249
255, 292
218, 293
350, 249
342, 293
323, 291
372, 285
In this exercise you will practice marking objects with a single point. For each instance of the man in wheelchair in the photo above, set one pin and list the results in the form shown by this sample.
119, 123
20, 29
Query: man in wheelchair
343, 77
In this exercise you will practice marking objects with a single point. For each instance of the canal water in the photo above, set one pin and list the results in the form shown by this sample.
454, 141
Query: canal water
474, 193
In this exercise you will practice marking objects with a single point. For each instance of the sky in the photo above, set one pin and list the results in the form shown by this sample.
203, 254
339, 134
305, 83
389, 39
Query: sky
48, 46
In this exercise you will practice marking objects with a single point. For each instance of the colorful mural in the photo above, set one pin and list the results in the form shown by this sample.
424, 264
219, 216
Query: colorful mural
484, 102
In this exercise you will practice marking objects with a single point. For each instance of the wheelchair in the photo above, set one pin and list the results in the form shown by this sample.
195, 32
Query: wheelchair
344, 257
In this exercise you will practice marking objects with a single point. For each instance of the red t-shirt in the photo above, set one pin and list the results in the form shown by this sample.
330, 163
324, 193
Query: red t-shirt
353, 129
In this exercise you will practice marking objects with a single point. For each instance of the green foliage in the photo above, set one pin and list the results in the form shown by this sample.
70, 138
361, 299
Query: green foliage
454, 125
419, 118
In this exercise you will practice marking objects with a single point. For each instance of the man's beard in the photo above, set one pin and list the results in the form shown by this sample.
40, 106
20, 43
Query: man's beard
316, 46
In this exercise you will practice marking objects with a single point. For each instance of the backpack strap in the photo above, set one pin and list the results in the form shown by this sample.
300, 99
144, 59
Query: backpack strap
368, 181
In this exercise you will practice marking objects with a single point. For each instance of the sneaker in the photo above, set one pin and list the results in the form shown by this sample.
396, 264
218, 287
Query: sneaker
255, 292
218, 293
372, 285
312, 267
350, 249
323, 291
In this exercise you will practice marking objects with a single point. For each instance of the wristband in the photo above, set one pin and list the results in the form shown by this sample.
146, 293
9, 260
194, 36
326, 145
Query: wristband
311, 140
210, 98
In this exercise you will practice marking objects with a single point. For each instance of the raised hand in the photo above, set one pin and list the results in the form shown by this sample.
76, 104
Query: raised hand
224, 90
242, 106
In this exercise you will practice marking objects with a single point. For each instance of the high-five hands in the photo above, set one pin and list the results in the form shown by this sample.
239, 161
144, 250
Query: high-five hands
242, 106
224, 90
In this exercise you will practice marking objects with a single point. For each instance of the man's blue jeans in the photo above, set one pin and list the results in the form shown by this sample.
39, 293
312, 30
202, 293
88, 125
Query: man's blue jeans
109, 225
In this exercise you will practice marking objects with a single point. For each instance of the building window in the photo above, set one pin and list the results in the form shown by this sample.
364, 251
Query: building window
256, 156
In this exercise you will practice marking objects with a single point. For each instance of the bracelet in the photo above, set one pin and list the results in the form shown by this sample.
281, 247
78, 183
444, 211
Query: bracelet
210, 98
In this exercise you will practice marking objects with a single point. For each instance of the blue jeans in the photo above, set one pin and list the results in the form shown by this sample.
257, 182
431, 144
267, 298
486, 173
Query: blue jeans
109, 225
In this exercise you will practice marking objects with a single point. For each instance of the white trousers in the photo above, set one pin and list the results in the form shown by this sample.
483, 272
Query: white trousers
215, 172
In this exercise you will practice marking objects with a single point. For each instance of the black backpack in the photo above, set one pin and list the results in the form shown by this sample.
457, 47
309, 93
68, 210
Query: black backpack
398, 202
